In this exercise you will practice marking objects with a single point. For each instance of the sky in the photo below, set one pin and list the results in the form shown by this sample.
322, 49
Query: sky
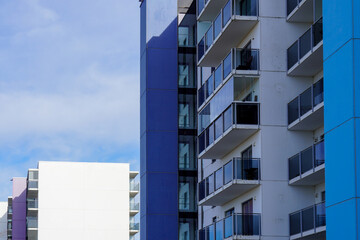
69, 83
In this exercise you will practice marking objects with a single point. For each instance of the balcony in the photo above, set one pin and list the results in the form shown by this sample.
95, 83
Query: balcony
306, 112
230, 27
238, 63
236, 226
134, 208
237, 123
31, 223
305, 56
134, 228
308, 166
230, 181
309, 223
134, 188
300, 10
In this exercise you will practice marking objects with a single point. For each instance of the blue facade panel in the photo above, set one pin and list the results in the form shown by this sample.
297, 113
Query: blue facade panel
340, 159
339, 87
163, 227
341, 221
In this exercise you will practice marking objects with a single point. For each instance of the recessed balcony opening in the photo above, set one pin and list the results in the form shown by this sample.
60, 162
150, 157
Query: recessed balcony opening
305, 56
306, 112
308, 166
229, 182
236, 226
309, 223
240, 62
231, 25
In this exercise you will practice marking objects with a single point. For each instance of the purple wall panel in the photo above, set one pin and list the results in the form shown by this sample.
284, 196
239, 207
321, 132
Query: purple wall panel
19, 209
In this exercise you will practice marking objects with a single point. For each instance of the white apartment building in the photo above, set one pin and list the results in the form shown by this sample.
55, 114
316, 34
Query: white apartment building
261, 151
78, 200
3, 220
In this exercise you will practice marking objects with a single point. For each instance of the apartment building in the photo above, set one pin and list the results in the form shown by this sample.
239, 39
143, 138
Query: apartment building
75, 200
168, 129
3, 220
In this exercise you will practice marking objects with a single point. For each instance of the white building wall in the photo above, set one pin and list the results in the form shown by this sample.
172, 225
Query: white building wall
83, 201
3, 220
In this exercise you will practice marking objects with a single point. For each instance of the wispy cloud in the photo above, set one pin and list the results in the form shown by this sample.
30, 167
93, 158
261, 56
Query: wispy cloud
69, 83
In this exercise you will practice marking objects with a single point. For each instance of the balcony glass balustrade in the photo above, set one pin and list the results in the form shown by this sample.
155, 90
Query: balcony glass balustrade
134, 206
31, 222
292, 4
33, 184
238, 61
236, 225
32, 203
308, 160
244, 170
306, 101
306, 43
307, 219
233, 9
134, 226
238, 113
134, 186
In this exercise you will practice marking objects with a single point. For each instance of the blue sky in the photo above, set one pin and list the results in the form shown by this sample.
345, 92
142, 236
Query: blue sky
69, 83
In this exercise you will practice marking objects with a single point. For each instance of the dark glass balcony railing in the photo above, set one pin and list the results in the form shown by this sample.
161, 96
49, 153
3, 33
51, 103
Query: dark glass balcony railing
292, 4
33, 184
32, 203
307, 160
238, 113
236, 225
239, 59
305, 43
31, 222
306, 101
236, 169
308, 219
231, 8
134, 206
134, 186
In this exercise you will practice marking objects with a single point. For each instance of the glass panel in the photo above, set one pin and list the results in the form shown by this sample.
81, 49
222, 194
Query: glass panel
226, 13
294, 167
227, 66
320, 215
33, 184
201, 142
201, 48
318, 32
295, 223
293, 54
305, 102
318, 92
247, 113
187, 194
184, 38
319, 149
246, 7
219, 127
202, 234
306, 160
210, 184
210, 234
217, 26
188, 229
228, 172
219, 178
201, 95
219, 230
187, 152
318, 9
209, 86
31, 222
246, 59
291, 5
210, 134
228, 118
247, 224
32, 203
305, 43
218, 76
202, 190
228, 227
293, 110
209, 37
187, 111
201, 5
307, 219
249, 169
187, 70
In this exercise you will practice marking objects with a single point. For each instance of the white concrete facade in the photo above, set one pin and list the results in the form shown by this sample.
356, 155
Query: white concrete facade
3, 220
274, 143
83, 201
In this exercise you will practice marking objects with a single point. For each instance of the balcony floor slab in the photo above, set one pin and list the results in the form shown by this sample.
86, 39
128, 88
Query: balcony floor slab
229, 192
310, 64
314, 234
230, 139
231, 35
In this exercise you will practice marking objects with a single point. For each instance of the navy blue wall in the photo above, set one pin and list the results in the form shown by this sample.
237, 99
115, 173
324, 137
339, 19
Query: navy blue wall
159, 131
